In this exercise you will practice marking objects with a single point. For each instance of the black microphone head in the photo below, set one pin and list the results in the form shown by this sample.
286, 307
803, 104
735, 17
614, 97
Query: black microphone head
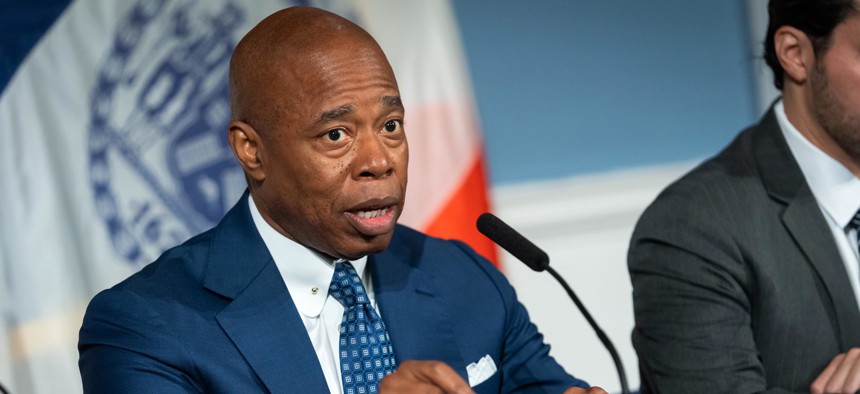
510, 240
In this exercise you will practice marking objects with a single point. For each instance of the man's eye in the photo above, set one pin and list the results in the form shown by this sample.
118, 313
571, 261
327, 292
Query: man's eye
335, 135
392, 125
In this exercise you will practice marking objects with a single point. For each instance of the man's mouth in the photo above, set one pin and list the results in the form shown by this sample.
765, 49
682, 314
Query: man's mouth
374, 217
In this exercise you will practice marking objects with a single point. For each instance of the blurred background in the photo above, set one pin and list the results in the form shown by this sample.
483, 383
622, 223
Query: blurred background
565, 118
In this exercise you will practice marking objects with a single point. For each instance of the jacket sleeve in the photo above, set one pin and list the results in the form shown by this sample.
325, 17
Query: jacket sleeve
692, 292
124, 348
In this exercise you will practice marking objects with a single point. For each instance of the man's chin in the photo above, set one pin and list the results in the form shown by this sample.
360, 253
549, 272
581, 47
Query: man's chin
365, 245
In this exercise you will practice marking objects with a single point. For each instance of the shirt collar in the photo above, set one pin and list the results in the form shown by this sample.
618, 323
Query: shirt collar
301, 268
835, 188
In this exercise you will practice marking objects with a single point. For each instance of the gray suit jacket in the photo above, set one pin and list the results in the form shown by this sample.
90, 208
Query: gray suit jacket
738, 286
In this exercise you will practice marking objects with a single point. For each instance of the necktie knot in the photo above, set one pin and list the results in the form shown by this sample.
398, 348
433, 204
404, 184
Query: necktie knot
346, 286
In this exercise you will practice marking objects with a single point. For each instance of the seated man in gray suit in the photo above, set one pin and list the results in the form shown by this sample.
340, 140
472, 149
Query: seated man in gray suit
745, 271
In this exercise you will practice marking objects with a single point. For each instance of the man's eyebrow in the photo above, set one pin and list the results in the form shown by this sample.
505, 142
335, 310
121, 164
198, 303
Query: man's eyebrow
333, 114
392, 101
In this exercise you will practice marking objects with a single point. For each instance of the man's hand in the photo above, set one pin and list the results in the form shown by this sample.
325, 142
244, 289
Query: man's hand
592, 390
842, 375
437, 377
424, 377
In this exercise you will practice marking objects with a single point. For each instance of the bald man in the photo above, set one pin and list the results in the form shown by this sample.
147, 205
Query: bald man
308, 285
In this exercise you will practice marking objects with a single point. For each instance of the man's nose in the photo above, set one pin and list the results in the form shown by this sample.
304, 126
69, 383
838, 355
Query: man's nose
373, 157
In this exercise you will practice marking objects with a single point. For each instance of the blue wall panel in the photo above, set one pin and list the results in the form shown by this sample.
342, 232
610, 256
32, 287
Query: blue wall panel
573, 87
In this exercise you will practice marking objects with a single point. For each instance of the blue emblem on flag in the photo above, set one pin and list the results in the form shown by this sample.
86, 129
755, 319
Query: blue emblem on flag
161, 169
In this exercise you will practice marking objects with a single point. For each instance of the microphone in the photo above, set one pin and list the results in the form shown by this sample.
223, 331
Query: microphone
527, 252
509, 239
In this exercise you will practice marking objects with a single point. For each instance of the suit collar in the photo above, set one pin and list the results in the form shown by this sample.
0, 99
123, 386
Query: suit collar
411, 305
261, 319
834, 186
780, 173
802, 217
237, 254
301, 268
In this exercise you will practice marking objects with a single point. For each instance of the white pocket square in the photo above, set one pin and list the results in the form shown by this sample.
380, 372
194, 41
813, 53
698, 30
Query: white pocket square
481, 370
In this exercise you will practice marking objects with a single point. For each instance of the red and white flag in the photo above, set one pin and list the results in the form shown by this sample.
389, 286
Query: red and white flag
447, 173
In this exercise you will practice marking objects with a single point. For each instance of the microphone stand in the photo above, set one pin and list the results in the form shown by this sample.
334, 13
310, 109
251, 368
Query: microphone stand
622, 376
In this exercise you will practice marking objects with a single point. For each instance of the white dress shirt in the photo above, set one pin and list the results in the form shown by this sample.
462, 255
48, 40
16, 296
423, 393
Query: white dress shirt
835, 188
307, 275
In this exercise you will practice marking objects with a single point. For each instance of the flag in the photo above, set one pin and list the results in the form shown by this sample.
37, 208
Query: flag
447, 174
112, 130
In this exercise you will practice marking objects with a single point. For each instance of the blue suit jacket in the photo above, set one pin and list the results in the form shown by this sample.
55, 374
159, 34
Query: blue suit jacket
214, 315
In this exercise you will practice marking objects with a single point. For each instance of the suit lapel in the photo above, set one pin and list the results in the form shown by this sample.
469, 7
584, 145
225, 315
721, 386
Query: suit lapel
261, 319
411, 307
803, 219
264, 324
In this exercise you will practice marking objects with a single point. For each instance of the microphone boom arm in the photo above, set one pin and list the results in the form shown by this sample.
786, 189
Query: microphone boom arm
527, 252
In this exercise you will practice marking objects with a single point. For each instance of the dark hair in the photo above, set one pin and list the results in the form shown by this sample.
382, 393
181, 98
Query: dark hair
816, 18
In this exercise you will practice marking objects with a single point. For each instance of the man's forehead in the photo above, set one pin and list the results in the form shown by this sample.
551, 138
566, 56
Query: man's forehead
318, 62
297, 54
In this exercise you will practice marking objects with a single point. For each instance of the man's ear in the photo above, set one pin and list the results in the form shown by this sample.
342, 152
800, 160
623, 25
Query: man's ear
795, 53
247, 146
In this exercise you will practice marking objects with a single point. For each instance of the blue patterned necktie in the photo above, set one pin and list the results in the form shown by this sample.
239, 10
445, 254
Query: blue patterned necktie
855, 225
366, 355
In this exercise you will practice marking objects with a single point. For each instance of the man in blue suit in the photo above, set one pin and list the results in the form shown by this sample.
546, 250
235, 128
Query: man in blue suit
308, 285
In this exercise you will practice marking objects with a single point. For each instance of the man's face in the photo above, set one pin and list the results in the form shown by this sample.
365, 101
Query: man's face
835, 83
335, 159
